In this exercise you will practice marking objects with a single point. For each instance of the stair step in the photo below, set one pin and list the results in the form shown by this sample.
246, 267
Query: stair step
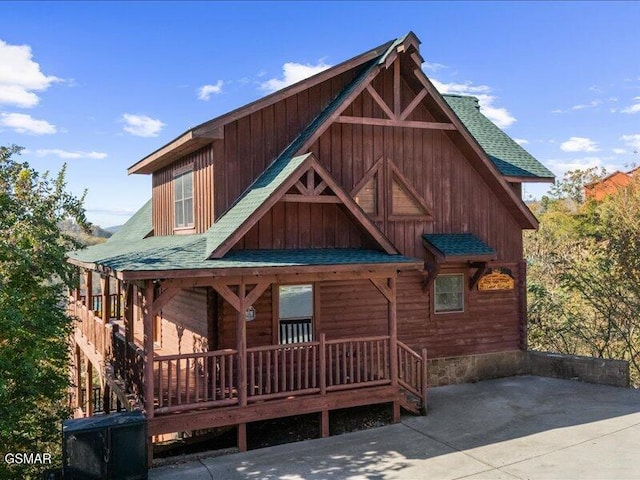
409, 405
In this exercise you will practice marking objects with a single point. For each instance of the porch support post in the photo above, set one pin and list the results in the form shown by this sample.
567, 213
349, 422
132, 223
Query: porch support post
148, 316
128, 313
76, 290
241, 339
105, 290
78, 377
393, 343
106, 399
88, 387
89, 285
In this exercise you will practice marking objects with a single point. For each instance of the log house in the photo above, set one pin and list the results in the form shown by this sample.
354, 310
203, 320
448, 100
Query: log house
316, 249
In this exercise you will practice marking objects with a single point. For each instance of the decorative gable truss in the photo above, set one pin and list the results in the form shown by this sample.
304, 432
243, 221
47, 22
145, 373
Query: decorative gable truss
309, 182
385, 192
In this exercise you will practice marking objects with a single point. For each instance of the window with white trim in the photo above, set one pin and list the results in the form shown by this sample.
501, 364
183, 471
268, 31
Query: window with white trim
183, 199
449, 293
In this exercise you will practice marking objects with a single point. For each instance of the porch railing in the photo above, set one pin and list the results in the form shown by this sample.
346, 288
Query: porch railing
210, 379
281, 370
296, 330
357, 362
128, 364
92, 327
412, 372
206, 379
115, 304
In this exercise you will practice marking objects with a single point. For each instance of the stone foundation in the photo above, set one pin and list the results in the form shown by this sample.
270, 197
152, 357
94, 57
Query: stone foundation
472, 368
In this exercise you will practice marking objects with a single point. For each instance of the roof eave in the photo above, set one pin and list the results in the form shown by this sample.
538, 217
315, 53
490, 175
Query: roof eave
213, 129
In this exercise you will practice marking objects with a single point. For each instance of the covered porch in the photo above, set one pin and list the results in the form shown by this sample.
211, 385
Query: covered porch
307, 367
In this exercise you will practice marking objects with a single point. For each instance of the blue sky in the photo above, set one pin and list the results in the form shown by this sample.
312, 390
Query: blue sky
101, 85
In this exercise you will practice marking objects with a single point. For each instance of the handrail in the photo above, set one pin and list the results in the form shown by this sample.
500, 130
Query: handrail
412, 372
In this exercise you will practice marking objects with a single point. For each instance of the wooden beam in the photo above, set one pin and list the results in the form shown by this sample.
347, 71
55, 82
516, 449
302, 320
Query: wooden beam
78, 377
382, 288
379, 100
406, 184
414, 103
89, 287
393, 332
383, 122
105, 291
321, 187
310, 180
165, 297
241, 346
255, 294
291, 197
473, 281
396, 88
291, 272
88, 388
229, 296
301, 188
219, 417
354, 209
128, 312
148, 318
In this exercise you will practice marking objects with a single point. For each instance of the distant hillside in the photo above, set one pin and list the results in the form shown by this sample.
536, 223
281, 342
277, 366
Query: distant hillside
113, 229
97, 235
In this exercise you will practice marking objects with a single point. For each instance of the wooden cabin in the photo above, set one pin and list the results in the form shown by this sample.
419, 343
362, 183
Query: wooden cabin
348, 240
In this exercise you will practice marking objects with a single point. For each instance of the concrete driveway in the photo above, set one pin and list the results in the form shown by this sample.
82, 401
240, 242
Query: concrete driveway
518, 427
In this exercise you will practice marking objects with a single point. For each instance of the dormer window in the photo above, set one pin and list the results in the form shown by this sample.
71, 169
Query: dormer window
183, 198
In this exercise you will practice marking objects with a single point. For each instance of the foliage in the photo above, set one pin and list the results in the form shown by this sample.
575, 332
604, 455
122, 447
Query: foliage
34, 328
584, 275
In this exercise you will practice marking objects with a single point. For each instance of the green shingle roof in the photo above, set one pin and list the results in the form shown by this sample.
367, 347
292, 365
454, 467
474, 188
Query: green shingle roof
458, 244
278, 172
510, 158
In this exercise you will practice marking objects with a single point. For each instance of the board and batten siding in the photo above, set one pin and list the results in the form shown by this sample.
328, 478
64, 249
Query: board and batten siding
203, 191
250, 144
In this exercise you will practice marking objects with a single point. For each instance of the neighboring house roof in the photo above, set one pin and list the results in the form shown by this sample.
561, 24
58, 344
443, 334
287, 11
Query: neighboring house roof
508, 156
458, 246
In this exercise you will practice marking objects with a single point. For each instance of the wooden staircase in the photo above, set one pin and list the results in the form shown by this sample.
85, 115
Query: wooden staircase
412, 379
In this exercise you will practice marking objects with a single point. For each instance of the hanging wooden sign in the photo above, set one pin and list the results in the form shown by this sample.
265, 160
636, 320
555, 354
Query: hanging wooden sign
497, 279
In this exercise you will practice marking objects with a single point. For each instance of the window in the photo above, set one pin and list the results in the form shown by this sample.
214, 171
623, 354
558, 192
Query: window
183, 199
296, 313
449, 293
367, 197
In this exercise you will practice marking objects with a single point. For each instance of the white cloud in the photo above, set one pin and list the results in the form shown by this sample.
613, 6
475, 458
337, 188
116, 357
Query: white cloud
579, 144
434, 67
205, 91
292, 73
635, 108
521, 141
20, 76
141, 125
632, 141
619, 151
498, 115
23, 123
66, 154
561, 166
591, 104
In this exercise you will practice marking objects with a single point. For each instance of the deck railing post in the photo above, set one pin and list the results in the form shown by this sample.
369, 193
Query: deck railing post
323, 365
241, 333
148, 348
425, 380
393, 333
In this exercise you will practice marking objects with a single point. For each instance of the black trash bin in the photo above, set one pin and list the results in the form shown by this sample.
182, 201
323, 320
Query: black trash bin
105, 447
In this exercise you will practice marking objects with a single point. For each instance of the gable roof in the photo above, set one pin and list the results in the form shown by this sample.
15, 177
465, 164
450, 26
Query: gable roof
211, 130
508, 156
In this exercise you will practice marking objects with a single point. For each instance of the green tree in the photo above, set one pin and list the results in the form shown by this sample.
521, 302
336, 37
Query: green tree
34, 327
584, 276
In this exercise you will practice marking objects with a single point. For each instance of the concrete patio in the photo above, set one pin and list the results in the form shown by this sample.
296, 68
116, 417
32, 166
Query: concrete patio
517, 427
